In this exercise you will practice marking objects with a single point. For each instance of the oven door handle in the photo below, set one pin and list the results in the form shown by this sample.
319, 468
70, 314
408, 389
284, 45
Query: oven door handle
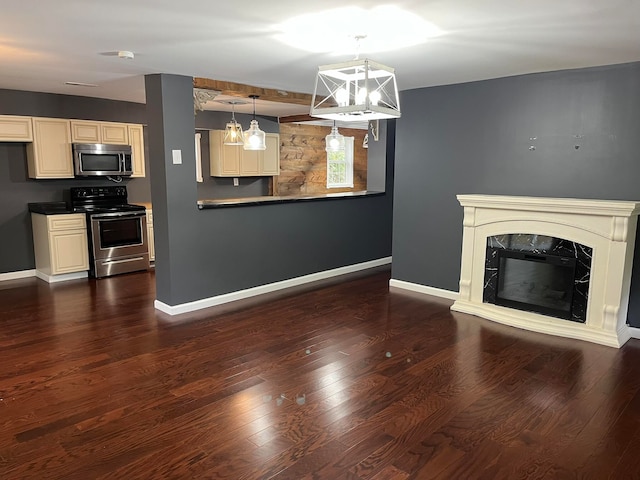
118, 215
126, 260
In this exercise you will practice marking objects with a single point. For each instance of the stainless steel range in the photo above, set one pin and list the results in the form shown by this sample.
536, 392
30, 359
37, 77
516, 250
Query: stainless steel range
117, 230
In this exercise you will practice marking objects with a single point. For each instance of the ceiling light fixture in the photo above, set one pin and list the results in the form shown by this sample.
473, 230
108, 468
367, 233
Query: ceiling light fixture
334, 141
233, 132
254, 138
358, 90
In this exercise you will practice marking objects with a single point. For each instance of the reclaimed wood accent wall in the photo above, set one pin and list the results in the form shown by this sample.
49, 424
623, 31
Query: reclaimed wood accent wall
303, 160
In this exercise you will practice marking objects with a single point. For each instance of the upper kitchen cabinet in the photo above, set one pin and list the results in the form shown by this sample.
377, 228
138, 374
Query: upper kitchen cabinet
136, 140
49, 156
234, 161
85, 131
270, 161
15, 129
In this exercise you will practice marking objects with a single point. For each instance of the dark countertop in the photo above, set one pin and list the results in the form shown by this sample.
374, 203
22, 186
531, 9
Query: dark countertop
57, 208
252, 201
50, 208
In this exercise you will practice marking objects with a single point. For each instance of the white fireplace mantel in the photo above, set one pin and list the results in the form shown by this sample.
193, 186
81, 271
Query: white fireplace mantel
608, 227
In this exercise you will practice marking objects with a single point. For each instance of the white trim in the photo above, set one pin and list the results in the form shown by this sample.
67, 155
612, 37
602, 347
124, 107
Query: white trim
634, 332
62, 277
416, 287
268, 288
16, 275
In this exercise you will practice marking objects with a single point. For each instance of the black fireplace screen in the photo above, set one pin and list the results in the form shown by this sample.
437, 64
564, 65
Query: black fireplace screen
540, 283
538, 273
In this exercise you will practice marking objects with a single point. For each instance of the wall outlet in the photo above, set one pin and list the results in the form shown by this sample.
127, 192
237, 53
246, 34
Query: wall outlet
236, 182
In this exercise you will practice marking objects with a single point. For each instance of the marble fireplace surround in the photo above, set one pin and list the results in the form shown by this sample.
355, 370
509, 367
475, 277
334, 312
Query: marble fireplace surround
608, 227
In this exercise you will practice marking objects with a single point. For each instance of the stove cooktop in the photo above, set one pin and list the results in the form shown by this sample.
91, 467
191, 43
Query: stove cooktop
106, 209
101, 200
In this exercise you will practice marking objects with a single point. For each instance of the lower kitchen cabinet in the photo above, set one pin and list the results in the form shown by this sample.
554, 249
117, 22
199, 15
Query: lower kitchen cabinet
150, 238
60, 243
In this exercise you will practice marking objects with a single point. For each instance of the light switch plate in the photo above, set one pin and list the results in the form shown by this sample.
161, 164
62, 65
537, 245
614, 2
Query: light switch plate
177, 157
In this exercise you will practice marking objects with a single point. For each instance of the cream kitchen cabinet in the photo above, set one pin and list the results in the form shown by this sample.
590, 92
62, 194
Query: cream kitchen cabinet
234, 161
49, 155
136, 140
270, 160
87, 131
15, 129
60, 243
150, 238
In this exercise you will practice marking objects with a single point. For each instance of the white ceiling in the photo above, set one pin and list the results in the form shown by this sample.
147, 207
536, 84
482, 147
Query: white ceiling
45, 43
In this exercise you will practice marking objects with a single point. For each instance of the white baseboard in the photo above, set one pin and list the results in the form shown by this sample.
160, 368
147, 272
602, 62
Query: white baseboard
416, 287
271, 287
635, 332
61, 278
17, 275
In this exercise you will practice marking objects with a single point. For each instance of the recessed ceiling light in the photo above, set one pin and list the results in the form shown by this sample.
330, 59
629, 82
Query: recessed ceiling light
380, 29
81, 84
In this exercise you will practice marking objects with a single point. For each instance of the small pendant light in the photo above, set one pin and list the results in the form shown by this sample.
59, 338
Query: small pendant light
254, 138
233, 132
334, 141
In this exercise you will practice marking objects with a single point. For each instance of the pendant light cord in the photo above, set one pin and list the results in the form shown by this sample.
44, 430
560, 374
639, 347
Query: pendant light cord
254, 104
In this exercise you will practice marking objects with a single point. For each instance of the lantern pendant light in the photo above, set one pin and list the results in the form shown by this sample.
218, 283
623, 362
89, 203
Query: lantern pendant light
233, 132
254, 138
355, 91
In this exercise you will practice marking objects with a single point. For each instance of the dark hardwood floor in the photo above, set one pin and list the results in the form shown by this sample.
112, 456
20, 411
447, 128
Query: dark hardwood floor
341, 381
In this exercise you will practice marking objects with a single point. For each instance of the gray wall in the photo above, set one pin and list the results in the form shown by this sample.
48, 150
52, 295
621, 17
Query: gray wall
204, 253
475, 138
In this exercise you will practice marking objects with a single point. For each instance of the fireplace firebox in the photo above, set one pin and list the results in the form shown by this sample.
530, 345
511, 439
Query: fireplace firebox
538, 273
536, 283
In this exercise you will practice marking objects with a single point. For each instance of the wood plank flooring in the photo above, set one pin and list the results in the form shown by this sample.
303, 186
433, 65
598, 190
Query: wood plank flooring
345, 380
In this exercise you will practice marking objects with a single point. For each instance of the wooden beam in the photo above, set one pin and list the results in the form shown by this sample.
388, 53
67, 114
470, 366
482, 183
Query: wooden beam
239, 90
298, 118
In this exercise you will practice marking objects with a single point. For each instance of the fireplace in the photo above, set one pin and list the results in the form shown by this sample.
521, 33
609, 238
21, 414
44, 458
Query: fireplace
568, 274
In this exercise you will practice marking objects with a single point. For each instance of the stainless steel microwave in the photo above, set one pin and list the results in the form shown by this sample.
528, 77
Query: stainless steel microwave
97, 159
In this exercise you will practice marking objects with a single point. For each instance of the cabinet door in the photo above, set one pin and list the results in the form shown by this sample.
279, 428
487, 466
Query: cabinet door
250, 161
151, 243
150, 237
15, 129
271, 158
49, 156
224, 159
231, 160
69, 251
85, 131
136, 140
114, 133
